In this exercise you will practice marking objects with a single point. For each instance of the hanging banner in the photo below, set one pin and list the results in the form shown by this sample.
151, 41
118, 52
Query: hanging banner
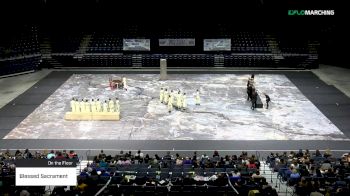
177, 42
136, 44
217, 44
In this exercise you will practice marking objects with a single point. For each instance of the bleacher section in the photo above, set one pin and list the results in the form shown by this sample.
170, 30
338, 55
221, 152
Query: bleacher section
104, 48
309, 172
19, 64
249, 42
21, 41
65, 42
137, 173
106, 42
19, 50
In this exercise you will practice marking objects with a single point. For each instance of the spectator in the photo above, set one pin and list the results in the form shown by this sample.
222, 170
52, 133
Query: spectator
51, 155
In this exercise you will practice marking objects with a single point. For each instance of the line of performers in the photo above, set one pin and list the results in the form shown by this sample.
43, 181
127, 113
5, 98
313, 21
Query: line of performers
95, 105
176, 100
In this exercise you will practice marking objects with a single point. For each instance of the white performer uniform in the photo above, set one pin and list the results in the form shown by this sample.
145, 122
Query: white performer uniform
184, 102
166, 97
72, 105
82, 106
171, 98
93, 106
111, 106
77, 106
98, 106
161, 95
198, 98
87, 107
170, 105
117, 106
124, 82
179, 101
105, 107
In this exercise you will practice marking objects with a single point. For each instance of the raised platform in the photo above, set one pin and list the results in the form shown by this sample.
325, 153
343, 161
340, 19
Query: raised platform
259, 103
98, 116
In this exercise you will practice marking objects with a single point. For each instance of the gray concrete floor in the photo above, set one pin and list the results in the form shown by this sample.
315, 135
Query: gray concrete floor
11, 87
336, 76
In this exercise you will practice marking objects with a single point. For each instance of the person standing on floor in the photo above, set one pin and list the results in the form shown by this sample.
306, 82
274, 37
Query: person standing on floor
172, 97
77, 105
254, 99
111, 105
87, 106
267, 100
170, 104
124, 82
93, 106
117, 105
197, 98
179, 100
105, 106
98, 106
249, 92
161, 95
184, 102
166, 96
82, 105
72, 105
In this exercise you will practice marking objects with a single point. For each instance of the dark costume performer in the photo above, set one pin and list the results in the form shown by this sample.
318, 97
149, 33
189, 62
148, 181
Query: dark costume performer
267, 101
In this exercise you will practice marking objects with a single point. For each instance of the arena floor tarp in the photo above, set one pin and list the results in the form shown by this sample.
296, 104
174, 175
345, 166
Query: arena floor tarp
302, 108
224, 112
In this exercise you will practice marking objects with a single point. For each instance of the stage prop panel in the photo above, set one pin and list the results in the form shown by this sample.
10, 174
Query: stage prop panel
101, 116
224, 113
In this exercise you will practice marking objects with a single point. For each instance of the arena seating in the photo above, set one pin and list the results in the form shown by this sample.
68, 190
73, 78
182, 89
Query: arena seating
104, 48
22, 41
19, 64
138, 173
7, 169
65, 42
106, 42
307, 172
249, 42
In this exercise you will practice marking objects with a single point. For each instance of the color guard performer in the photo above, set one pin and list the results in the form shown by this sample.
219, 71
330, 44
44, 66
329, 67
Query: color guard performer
87, 106
172, 97
105, 106
77, 107
198, 98
161, 95
170, 104
117, 106
111, 106
184, 102
98, 106
179, 100
124, 82
72, 105
82, 105
166, 96
93, 105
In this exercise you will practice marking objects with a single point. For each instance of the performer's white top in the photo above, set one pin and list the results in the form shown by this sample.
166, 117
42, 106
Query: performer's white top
105, 107
161, 95
111, 106
184, 101
124, 82
98, 106
72, 105
82, 106
87, 107
117, 106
